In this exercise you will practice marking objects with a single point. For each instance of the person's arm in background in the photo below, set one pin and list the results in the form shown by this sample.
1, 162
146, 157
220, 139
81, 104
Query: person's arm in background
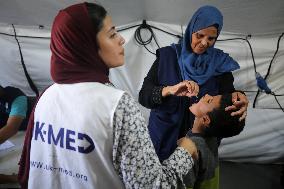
134, 156
16, 117
11, 128
239, 99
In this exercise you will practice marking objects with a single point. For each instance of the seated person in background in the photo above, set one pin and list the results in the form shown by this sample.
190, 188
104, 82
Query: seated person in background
211, 122
14, 109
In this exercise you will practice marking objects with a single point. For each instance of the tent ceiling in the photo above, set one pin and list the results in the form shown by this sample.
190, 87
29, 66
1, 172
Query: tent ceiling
240, 16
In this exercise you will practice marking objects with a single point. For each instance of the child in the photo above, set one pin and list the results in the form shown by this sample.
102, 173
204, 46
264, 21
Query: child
211, 122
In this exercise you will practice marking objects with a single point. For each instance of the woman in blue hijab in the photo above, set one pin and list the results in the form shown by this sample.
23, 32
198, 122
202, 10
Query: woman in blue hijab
183, 70
198, 59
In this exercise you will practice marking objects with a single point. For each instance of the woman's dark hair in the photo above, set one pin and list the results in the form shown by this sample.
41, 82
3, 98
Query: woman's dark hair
222, 124
97, 14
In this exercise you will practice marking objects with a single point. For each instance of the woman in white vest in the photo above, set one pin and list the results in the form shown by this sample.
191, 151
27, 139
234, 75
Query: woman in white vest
83, 132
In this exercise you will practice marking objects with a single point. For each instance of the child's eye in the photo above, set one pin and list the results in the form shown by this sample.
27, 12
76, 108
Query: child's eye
113, 35
209, 100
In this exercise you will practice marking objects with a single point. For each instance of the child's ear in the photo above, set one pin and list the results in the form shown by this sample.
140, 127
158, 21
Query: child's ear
206, 120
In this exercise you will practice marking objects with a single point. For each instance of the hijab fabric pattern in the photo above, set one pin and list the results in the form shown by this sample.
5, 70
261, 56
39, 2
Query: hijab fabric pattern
213, 62
74, 48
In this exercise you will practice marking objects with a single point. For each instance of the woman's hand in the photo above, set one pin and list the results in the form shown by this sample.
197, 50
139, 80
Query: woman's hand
240, 103
184, 88
189, 146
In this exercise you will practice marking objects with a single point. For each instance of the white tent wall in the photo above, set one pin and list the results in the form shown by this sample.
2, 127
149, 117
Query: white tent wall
262, 139
36, 56
240, 16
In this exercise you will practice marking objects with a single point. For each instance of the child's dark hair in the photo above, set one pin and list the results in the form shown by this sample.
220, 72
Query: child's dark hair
222, 124
97, 14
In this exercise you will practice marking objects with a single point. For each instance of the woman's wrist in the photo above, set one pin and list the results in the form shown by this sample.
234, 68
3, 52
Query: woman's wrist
157, 94
166, 91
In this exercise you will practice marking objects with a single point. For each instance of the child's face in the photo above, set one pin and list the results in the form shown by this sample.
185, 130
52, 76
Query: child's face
206, 104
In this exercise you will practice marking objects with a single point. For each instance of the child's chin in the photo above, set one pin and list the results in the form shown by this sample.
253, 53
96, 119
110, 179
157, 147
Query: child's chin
192, 109
192, 105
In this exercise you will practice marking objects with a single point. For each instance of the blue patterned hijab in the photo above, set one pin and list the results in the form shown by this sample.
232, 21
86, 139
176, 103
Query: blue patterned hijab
214, 61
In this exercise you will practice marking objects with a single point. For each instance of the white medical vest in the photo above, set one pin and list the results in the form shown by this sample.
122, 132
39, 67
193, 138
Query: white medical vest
72, 138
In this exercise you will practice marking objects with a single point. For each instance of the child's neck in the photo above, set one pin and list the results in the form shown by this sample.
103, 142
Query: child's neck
197, 127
